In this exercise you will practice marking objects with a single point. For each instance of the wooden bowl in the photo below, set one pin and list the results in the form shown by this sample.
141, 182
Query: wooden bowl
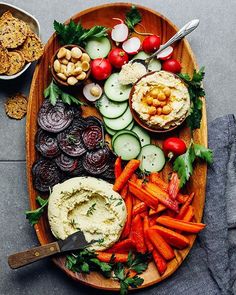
54, 74
141, 122
157, 24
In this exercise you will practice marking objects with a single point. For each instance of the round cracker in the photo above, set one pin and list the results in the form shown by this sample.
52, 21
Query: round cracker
17, 62
32, 48
6, 15
16, 106
13, 32
4, 60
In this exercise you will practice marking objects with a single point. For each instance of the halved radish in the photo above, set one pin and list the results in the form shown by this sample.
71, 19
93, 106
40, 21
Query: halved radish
119, 32
92, 91
132, 45
166, 53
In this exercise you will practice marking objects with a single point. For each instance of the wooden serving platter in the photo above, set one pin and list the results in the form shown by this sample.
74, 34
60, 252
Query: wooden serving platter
158, 24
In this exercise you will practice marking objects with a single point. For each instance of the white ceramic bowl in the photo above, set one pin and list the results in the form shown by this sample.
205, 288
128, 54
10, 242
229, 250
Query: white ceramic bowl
30, 20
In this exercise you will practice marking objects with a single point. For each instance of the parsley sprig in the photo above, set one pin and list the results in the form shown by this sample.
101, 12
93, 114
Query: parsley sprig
73, 33
183, 164
53, 93
132, 18
195, 92
34, 215
91, 209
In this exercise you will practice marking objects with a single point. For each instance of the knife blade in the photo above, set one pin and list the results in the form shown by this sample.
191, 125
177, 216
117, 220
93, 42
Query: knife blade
74, 242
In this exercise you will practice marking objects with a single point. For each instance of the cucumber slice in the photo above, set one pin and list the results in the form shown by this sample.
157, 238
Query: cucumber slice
144, 137
111, 109
114, 90
130, 126
122, 132
152, 158
110, 131
154, 65
98, 47
127, 146
121, 122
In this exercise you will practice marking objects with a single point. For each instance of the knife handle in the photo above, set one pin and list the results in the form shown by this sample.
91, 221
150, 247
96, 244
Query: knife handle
29, 256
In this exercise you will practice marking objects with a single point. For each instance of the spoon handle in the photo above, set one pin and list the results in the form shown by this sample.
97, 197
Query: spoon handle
184, 31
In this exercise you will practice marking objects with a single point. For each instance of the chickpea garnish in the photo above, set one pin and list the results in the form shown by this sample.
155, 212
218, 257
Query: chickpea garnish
159, 111
166, 110
163, 103
156, 102
152, 111
161, 96
167, 91
154, 92
149, 100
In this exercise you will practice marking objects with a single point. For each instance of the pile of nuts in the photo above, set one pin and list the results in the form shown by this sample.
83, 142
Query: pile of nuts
157, 100
71, 65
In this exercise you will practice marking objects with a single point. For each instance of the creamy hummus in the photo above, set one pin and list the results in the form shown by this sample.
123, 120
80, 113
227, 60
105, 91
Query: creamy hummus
131, 72
161, 100
88, 204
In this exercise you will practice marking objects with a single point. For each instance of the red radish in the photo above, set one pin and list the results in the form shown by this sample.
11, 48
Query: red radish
174, 146
151, 43
171, 65
118, 57
166, 53
119, 32
101, 68
132, 45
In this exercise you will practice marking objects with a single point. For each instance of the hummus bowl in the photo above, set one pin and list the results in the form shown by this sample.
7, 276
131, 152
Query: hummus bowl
159, 101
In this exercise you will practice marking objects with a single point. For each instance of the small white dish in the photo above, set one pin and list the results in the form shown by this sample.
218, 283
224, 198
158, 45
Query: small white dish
26, 17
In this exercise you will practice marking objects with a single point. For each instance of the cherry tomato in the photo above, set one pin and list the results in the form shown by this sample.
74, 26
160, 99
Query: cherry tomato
171, 65
174, 146
151, 43
101, 68
118, 57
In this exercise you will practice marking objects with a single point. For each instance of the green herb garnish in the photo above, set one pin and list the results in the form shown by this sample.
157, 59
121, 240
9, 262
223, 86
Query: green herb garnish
195, 92
133, 17
53, 93
71, 138
91, 209
73, 33
183, 164
34, 215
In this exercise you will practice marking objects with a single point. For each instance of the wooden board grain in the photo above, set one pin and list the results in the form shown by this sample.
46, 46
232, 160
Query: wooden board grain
155, 23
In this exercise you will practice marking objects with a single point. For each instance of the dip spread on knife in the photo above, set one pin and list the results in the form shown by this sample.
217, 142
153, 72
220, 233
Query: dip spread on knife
90, 205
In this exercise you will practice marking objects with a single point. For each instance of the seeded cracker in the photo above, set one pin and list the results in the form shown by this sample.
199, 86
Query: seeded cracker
17, 62
13, 31
4, 60
32, 48
16, 106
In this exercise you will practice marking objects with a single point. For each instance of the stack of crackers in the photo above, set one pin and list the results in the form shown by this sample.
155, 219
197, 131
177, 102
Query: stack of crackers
18, 44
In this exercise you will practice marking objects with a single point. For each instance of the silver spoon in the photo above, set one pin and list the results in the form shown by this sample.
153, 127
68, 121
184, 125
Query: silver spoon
184, 31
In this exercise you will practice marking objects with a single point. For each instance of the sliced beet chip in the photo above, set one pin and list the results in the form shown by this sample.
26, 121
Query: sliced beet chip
93, 137
45, 174
70, 141
96, 162
46, 144
109, 174
92, 120
66, 163
55, 118
79, 170
80, 123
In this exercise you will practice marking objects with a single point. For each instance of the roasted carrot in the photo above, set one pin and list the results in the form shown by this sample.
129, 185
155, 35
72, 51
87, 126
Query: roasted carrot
153, 220
134, 177
117, 167
129, 208
139, 182
125, 175
170, 213
122, 247
189, 214
182, 198
174, 186
124, 191
159, 209
190, 227
160, 244
139, 208
162, 196
137, 235
143, 195
146, 238
106, 257
174, 239
185, 207
159, 261
155, 178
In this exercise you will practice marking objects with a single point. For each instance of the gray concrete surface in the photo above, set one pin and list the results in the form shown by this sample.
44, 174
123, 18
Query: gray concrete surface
214, 45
